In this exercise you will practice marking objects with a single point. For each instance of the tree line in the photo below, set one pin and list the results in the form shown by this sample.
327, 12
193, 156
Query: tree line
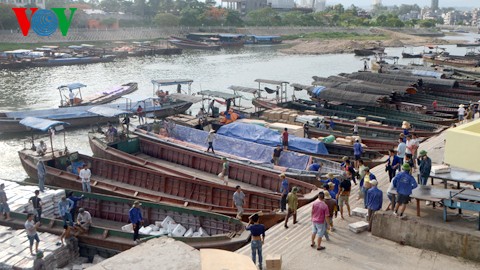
165, 13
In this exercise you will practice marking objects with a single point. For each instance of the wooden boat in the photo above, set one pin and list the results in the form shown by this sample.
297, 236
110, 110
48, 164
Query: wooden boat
388, 124
115, 178
449, 61
368, 52
262, 40
96, 99
49, 62
476, 44
184, 43
110, 213
412, 55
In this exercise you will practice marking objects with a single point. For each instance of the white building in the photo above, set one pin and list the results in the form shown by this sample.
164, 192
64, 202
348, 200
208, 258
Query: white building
319, 5
377, 2
21, 3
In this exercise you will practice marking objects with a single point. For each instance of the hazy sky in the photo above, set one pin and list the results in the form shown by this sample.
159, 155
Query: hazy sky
422, 3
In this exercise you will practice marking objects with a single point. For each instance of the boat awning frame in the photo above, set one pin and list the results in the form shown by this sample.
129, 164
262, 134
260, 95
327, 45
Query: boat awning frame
274, 82
107, 111
218, 94
187, 98
171, 82
72, 86
41, 123
249, 90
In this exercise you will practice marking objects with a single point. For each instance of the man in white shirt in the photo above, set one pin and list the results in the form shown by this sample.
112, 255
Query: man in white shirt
461, 112
84, 220
71, 96
41, 148
85, 175
410, 146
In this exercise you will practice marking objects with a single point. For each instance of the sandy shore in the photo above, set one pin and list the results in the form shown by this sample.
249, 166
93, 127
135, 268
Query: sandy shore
322, 46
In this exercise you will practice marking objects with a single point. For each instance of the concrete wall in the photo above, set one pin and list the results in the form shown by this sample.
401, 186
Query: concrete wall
461, 148
420, 234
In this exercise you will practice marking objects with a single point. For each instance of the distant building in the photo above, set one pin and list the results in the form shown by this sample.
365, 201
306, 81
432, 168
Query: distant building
281, 4
319, 5
244, 6
21, 3
434, 5
377, 2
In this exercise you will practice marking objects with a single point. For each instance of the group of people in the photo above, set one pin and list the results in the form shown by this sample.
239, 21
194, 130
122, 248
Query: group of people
67, 208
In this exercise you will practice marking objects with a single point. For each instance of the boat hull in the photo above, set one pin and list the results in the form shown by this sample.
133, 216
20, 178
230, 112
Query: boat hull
128, 88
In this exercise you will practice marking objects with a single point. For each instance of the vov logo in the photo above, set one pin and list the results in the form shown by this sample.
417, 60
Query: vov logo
44, 22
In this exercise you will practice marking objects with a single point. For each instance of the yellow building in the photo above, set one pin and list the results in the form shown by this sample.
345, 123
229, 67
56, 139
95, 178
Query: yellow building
462, 147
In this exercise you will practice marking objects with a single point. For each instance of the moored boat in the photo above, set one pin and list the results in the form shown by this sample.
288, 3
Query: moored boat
99, 98
110, 213
184, 43
115, 178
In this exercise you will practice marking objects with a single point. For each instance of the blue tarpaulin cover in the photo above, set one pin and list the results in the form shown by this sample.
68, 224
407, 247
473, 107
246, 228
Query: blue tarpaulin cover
316, 90
40, 123
266, 136
261, 154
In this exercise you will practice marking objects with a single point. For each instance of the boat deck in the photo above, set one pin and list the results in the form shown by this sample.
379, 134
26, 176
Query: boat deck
202, 175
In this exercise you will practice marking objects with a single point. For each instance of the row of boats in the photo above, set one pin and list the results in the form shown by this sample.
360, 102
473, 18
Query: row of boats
216, 41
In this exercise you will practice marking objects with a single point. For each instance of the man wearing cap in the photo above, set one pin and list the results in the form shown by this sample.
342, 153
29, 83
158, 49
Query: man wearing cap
365, 184
375, 199
211, 136
331, 203
39, 263
333, 180
239, 201
425, 166
357, 152
284, 191
84, 220
225, 170
292, 200
320, 216
404, 183
135, 216
276, 154
64, 208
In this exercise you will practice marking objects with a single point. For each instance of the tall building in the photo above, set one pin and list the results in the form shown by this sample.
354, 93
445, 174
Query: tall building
319, 5
377, 2
434, 5
21, 3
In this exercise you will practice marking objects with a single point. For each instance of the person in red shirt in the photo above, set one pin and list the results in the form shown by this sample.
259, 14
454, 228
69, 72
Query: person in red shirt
435, 105
320, 218
285, 139
141, 120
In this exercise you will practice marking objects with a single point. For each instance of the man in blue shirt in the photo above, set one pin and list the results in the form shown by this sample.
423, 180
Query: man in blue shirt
75, 201
393, 163
425, 166
135, 215
357, 152
404, 183
284, 191
332, 179
375, 199
64, 208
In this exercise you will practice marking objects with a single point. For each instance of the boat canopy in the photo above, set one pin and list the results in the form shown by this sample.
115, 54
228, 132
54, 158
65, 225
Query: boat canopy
50, 47
230, 35
171, 82
187, 98
20, 51
428, 73
244, 89
218, 94
41, 124
107, 111
75, 47
264, 37
72, 86
271, 81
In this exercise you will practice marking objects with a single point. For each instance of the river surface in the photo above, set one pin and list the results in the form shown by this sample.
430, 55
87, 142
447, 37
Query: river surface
36, 88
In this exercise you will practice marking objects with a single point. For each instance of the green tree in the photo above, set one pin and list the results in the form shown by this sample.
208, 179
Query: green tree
190, 17
166, 19
427, 23
264, 17
292, 18
234, 18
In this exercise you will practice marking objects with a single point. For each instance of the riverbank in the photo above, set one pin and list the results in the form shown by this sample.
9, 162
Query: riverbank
311, 44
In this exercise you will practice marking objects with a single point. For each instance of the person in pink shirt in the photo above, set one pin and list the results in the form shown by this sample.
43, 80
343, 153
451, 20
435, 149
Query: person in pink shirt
320, 217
